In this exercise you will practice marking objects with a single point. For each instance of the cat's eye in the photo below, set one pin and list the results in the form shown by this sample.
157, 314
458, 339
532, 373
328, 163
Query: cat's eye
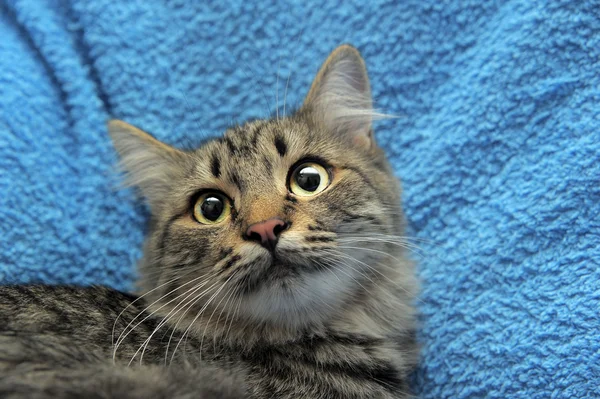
211, 208
309, 178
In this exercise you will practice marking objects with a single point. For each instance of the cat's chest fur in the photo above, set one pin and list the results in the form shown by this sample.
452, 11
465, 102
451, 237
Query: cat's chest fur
332, 361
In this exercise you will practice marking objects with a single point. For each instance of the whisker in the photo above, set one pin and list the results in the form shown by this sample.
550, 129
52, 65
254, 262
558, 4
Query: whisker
181, 306
379, 236
349, 257
295, 49
235, 315
130, 304
232, 295
177, 308
338, 267
165, 319
188, 306
122, 337
397, 242
397, 237
406, 246
277, 88
227, 294
198, 315
376, 251
255, 80
277, 81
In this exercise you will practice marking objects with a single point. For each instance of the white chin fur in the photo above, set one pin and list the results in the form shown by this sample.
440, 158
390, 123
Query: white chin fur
301, 300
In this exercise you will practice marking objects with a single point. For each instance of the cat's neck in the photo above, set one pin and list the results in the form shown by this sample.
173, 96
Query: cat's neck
381, 312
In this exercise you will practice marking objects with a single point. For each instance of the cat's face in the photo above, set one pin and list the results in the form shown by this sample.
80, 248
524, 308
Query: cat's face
277, 220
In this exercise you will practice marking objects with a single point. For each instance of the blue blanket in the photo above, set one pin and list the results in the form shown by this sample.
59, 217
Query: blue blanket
498, 148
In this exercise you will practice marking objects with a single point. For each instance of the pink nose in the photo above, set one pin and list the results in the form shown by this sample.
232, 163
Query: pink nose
266, 232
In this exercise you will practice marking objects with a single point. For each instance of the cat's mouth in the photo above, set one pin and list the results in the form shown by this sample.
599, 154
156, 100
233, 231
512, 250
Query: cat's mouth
277, 268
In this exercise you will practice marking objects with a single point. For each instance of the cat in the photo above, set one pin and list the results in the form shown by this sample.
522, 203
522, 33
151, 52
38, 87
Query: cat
275, 266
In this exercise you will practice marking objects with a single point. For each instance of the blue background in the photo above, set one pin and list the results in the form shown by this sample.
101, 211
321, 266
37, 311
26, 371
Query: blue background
498, 147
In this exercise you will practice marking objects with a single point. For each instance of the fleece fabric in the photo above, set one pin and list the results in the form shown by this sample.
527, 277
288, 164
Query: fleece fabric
497, 144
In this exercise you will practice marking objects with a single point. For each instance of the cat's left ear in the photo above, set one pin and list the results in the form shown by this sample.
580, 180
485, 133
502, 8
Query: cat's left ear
152, 166
340, 97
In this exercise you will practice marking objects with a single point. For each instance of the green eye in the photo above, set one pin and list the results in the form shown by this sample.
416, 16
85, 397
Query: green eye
309, 179
211, 208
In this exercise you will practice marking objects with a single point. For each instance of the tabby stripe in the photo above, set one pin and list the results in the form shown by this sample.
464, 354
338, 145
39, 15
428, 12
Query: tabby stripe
245, 150
354, 339
165, 235
280, 145
235, 179
320, 224
287, 208
317, 250
7, 297
234, 259
215, 167
234, 215
279, 365
352, 216
366, 180
318, 239
225, 252
293, 200
255, 135
230, 145
59, 312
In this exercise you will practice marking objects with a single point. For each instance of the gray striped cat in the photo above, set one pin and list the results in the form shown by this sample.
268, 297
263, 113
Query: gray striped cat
275, 266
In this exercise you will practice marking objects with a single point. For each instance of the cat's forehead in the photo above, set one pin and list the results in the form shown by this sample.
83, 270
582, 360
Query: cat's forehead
256, 152
254, 137
246, 140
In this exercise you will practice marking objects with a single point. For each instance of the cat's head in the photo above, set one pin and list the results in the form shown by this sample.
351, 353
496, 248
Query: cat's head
281, 221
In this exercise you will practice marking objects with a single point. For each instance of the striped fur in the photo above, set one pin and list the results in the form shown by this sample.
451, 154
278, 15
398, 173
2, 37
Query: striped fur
327, 314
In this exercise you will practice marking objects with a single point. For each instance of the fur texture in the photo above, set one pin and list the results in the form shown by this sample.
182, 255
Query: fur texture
325, 313
55, 342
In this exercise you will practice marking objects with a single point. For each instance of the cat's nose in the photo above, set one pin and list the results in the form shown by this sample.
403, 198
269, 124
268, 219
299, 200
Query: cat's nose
266, 232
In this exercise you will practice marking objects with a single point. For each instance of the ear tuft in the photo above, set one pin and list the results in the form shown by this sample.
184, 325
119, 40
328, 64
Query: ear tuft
340, 96
150, 165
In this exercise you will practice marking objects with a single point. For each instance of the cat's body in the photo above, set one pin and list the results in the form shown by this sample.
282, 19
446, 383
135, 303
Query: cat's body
56, 342
63, 335
275, 267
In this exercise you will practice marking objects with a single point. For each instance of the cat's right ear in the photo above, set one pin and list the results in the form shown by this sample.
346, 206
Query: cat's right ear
340, 100
150, 165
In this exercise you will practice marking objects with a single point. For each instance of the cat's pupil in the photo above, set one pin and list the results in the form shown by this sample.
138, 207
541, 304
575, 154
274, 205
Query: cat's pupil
212, 208
308, 178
